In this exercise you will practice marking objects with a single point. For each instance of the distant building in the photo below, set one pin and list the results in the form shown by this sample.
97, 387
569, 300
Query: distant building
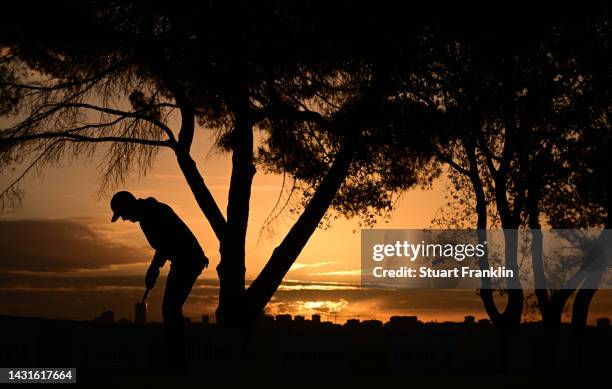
329, 325
372, 324
283, 319
469, 320
603, 322
352, 323
140, 313
484, 323
187, 320
205, 319
265, 320
316, 318
105, 317
299, 318
402, 322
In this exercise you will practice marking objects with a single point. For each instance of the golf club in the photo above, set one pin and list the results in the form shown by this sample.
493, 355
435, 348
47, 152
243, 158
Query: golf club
142, 303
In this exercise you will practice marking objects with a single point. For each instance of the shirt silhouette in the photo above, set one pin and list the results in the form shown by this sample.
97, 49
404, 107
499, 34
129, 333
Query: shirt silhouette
173, 241
169, 236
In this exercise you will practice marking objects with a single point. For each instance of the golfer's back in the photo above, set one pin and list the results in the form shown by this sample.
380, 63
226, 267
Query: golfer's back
167, 233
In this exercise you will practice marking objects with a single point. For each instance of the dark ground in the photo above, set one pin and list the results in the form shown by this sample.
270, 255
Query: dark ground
310, 354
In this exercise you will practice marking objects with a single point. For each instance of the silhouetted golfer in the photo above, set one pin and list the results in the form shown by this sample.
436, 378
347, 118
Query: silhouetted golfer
172, 240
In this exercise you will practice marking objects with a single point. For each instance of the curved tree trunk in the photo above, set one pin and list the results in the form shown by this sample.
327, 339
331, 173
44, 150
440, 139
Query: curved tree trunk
585, 295
580, 310
580, 315
267, 282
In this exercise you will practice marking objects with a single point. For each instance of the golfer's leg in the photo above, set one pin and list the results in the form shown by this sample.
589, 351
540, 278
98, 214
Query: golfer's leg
178, 287
173, 320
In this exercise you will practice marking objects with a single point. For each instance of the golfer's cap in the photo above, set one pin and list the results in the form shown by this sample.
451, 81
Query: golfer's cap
119, 202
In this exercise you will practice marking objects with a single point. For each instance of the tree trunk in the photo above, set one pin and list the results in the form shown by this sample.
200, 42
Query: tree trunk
580, 310
498, 318
550, 303
514, 309
582, 303
511, 316
551, 313
551, 316
267, 282
194, 179
580, 315
231, 269
486, 291
510, 319
201, 193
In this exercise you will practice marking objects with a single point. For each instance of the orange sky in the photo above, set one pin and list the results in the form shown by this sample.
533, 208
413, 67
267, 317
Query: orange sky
71, 192
331, 256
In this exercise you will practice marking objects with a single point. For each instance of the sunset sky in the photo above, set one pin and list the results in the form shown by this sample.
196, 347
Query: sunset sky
61, 257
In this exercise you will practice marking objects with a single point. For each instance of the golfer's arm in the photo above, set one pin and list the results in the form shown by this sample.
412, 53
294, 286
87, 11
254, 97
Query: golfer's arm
159, 259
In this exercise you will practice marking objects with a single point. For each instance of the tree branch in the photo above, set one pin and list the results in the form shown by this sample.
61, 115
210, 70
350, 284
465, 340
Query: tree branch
453, 164
290, 113
133, 114
69, 136
202, 194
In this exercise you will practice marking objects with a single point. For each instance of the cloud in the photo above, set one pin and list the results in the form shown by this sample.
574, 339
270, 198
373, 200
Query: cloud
77, 297
298, 266
356, 272
305, 285
61, 245
307, 307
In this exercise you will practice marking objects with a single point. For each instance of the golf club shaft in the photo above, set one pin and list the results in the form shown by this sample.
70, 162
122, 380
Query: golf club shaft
142, 303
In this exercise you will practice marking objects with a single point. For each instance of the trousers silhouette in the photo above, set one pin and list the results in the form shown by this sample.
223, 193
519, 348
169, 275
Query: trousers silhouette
178, 286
